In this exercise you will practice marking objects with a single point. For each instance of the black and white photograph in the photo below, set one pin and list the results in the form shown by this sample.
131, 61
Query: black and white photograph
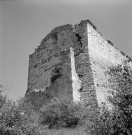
65, 67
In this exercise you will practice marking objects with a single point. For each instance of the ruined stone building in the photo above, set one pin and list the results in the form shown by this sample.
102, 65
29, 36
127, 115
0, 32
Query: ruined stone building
72, 60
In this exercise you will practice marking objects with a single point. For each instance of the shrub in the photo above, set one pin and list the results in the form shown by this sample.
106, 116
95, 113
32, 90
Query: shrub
122, 100
17, 119
119, 121
62, 112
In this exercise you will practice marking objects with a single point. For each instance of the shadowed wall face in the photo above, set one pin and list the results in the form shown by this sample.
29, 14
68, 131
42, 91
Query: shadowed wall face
50, 66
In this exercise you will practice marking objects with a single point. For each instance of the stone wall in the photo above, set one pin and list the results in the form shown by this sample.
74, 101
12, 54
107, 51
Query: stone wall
52, 66
76, 82
83, 68
103, 55
73, 60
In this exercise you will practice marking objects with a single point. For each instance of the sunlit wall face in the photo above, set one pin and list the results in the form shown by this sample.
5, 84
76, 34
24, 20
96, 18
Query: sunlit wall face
24, 23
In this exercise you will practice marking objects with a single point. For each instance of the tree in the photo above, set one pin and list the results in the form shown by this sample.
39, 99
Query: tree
119, 122
122, 99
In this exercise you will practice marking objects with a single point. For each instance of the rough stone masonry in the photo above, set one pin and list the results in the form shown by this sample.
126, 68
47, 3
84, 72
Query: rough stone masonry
72, 60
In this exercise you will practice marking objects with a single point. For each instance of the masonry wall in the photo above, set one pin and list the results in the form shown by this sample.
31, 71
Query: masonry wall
49, 67
76, 82
83, 69
103, 55
73, 60
50, 73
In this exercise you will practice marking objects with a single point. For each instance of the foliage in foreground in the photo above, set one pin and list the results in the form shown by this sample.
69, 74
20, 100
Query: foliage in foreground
17, 119
21, 119
119, 121
62, 112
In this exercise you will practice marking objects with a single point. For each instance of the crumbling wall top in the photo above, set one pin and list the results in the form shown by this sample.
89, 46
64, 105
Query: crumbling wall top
57, 30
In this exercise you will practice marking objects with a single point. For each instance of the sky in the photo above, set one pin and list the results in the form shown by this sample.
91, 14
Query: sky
24, 23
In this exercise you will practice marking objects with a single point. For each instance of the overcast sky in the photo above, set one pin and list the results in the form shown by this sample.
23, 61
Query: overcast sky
24, 23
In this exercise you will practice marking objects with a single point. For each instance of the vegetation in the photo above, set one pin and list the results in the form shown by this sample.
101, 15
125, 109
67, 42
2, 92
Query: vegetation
21, 119
62, 112
17, 119
119, 121
122, 100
